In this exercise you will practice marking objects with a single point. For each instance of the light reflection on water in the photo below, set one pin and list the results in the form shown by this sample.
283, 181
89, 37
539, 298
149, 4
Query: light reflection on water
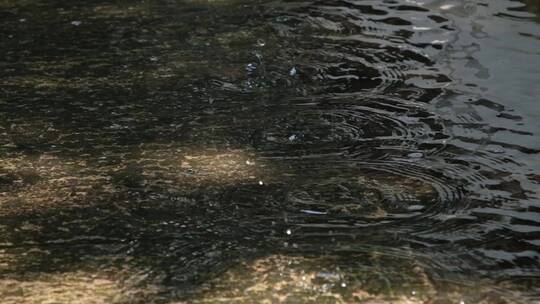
294, 151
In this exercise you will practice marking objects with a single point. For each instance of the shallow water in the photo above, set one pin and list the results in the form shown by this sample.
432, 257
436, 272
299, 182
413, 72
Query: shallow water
251, 151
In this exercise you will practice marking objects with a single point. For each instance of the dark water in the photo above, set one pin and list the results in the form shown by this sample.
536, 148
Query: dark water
267, 151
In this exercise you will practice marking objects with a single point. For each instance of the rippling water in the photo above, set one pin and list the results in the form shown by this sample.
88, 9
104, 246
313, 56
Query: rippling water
247, 151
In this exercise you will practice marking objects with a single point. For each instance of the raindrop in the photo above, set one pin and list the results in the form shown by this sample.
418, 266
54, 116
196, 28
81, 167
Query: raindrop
261, 182
292, 137
251, 67
76, 22
314, 212
343, 284
153, 59
261, 43
446, 7
494, 149
116, 127
415, 155
415, 207
289, 232
259, 56
439, 41
293, 72
22, 20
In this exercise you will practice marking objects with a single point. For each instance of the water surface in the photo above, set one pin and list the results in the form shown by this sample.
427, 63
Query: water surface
278, 151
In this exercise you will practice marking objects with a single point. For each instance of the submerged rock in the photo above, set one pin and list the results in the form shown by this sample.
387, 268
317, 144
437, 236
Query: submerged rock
325, 279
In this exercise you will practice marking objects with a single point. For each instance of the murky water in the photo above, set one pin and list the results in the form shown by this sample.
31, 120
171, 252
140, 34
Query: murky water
267, 151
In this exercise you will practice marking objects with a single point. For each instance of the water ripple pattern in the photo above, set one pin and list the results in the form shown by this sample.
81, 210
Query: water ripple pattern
279, 151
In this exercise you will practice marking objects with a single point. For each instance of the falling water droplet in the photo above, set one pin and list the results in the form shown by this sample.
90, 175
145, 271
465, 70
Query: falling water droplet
261, 43
259, 57
251, 67
415, 207
495, 149
76, 22
314, 212
261, 183
415, 155
289, 232
446, 7
293, 72
343, 284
